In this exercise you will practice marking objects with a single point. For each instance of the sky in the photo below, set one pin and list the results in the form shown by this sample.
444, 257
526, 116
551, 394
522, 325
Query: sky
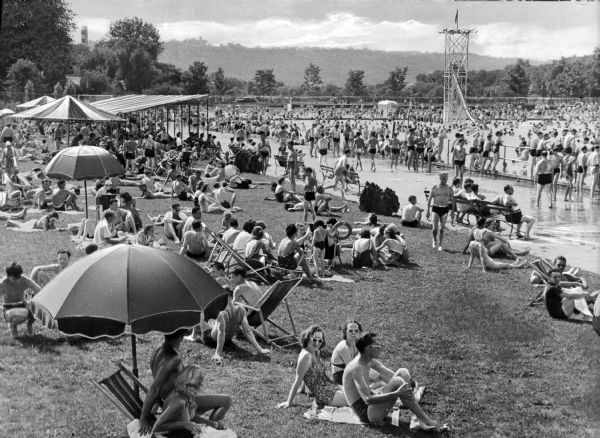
532, 30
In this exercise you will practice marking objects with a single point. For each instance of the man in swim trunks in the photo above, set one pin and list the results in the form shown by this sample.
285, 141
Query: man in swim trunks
371, 408
63, 198
217, 332
339, 174
442, 198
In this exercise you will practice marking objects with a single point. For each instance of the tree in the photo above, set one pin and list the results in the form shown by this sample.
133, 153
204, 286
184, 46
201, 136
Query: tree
129, 34
516, 78
219, 82
101, 58
312, 78
194, 79
39, 30
166, 88
265, 82
95, 82
572, 79
58, 91
396, 80
21, 72
71, 89
137, 46
136, 70
168, 74
354, 83
594, 74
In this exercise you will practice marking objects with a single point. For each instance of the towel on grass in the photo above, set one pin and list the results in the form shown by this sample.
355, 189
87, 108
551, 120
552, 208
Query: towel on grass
207, 432
37, 210
337, 278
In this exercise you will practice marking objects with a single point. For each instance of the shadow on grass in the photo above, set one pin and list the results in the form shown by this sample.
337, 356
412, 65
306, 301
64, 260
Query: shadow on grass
84, 343
41, 343
243, 355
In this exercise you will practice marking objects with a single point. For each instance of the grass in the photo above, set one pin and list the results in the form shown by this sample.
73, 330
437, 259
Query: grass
492, 366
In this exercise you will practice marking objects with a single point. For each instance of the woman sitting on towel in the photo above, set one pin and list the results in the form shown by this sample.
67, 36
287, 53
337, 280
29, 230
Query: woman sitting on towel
346, 350
182, 409
311, 370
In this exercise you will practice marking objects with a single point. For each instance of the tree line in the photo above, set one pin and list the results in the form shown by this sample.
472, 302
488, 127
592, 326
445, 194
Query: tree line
39, 53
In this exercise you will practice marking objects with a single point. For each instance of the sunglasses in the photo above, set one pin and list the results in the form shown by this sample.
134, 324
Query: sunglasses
353, 331
317, 340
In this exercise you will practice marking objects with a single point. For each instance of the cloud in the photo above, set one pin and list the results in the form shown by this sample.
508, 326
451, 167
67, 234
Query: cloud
344, 30
335, 30
533, 41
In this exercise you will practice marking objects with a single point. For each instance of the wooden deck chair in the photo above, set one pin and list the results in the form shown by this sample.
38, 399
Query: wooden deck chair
542, 269
230, 258
260, 314
123, 393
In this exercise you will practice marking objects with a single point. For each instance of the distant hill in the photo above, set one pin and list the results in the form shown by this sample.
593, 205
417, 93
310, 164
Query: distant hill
289, 63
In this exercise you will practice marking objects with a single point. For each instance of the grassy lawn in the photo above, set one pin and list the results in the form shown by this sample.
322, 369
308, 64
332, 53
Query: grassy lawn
492, 366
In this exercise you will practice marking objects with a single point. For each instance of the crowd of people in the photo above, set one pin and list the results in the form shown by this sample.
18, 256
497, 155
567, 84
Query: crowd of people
159, 166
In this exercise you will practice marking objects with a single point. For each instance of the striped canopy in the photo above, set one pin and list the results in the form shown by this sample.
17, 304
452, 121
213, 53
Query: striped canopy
139, 102
68, 109
36, 102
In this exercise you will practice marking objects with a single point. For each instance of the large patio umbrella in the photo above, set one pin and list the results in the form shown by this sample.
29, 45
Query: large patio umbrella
127, 289
83, 163
35, 102
68, 109
6, 112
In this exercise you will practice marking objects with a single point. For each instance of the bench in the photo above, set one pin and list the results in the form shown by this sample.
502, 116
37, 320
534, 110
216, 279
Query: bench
478, 207
352, 177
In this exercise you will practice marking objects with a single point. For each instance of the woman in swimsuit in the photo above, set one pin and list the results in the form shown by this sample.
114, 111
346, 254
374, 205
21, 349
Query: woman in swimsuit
182, 408
480, 252
310, 189
311, 370
346, 350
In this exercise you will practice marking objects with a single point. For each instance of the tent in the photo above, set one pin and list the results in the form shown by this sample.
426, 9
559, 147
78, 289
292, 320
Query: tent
35, 103
387, 106
67, 109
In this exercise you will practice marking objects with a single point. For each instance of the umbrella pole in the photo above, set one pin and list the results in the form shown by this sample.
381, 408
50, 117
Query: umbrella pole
134, 361
85, 193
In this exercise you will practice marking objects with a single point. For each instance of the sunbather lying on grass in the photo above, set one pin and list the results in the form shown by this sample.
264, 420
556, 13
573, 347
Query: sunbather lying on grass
479, 251
494, 243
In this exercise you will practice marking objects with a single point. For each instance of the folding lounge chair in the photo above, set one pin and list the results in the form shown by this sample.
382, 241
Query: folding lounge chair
225, 254
123, 394
260, 314
542, 269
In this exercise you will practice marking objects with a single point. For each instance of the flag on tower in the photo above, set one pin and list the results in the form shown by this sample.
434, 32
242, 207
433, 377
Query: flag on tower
456, 18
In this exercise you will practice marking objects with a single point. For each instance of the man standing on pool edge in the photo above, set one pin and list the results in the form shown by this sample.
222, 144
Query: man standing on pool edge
443, 201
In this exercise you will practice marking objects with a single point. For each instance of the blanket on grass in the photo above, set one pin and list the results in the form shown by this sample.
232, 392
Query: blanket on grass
207, 432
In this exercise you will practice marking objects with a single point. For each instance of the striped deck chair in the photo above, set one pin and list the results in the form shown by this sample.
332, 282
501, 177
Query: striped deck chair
259, 315
123, 393
231, 259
